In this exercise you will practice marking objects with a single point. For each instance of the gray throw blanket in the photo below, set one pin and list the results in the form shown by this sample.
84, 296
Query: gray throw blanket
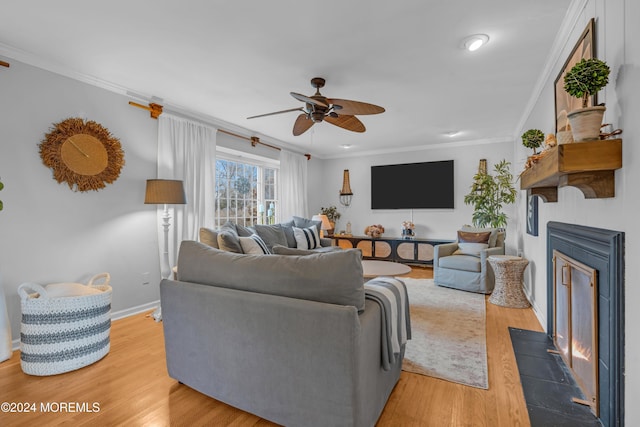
391, 295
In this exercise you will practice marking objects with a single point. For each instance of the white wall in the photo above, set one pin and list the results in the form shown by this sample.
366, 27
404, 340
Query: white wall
617, 34
49, 233
326, 182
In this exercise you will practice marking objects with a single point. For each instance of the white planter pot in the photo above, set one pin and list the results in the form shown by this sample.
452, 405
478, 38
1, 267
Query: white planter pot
586, 122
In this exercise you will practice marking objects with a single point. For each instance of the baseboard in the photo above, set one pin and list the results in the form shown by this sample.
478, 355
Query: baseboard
116, 315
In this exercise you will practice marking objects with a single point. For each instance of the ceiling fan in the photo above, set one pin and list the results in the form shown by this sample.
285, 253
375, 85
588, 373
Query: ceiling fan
318, 108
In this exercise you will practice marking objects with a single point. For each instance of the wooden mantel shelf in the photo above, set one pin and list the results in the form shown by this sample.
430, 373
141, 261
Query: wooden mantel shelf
589, 166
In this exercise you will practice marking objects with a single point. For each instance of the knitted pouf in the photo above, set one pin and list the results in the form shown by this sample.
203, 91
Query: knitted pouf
63, 333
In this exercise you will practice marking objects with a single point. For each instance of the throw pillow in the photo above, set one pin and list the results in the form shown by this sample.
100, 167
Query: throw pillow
244, 231
287, 227
228, 241
306, 238
305, 223
492, 239
473, 237
254, 245
283, 250
271, 235
209, 237
470, 248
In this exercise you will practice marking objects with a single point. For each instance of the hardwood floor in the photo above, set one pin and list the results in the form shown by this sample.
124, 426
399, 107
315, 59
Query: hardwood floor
132, 387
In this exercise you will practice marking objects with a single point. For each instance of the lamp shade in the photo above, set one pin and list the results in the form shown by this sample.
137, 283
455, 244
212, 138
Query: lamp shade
326, 225
346, 184
165, 191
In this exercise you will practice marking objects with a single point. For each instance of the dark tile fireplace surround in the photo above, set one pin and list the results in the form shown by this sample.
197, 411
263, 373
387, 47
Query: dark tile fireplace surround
602, 250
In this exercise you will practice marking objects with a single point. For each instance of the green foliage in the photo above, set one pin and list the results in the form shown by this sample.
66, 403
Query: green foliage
489, 193
586, 78
533, 138
332, 213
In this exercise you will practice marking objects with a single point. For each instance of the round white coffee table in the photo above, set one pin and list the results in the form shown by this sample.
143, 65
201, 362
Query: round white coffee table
374, 268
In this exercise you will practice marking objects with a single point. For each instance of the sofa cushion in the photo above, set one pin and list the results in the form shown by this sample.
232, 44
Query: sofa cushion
254, 245
228, 239
332, 277
306, 238
460, 262
244, 231
271, 234
305, 223
209, 237
284, 250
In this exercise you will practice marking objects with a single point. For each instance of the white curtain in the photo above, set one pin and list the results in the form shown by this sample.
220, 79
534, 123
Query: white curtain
186, 151
293, 185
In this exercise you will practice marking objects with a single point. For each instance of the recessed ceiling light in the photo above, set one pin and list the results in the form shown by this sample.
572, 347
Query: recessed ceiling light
475, 42
346, 146
452, 133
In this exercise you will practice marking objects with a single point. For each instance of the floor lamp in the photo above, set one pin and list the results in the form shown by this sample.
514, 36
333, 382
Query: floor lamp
166, 192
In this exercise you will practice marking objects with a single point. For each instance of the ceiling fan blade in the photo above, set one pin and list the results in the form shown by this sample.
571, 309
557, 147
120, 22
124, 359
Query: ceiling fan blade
355, 107
276, 112
351, 123
308, 99
302, 124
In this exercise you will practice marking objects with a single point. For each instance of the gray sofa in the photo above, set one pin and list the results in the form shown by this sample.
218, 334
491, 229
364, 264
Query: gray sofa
468, 269
232, 237
291, 339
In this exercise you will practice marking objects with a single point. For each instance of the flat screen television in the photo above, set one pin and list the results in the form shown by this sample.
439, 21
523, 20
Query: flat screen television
427, 185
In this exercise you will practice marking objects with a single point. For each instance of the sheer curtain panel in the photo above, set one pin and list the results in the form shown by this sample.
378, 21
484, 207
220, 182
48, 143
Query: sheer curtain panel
293, 185
186, 151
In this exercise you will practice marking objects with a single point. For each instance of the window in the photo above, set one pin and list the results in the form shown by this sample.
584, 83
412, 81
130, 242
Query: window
246, 189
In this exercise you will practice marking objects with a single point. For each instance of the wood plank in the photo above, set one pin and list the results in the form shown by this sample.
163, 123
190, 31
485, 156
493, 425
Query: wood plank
132, 386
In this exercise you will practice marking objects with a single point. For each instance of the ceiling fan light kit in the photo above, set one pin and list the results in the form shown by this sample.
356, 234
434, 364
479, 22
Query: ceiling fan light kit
475, 42
318, 108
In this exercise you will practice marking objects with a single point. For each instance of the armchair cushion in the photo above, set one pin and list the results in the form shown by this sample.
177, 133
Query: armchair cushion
461, 262
493, 236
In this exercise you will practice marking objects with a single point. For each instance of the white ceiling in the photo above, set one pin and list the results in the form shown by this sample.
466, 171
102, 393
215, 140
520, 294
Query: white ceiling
234, 59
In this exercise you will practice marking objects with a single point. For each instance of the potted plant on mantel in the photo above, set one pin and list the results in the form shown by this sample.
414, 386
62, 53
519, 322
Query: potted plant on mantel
533, 138
489, 193
585, 79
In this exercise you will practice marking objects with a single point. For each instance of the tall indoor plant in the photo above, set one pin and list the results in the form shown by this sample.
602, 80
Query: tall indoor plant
488, 195
584, 80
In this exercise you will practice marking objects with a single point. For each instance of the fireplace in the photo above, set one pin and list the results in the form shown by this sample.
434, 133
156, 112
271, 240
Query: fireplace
585, 312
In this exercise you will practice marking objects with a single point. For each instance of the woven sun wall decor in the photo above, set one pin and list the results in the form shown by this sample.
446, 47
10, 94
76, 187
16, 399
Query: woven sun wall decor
83, 154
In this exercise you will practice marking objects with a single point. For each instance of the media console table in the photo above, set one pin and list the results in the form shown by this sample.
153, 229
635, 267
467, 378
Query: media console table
410, 251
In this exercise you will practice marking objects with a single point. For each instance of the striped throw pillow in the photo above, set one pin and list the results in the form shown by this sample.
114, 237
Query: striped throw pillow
254, 245
306, 238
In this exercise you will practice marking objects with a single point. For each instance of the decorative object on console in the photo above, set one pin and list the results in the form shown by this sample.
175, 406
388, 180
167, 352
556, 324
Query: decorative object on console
165, 192
584, 80
408, 229
488, 194
375, 230
533, 138
83, 154
345, 193
326, 228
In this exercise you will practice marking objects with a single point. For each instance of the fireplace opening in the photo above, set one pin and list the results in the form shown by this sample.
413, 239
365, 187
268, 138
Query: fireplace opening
575, 324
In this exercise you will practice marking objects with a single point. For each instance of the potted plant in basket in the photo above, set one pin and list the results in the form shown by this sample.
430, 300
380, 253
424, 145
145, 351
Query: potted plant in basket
585, 79
489, 193
533, 138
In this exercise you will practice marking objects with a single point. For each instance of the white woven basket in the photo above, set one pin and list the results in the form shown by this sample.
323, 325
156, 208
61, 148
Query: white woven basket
64, 333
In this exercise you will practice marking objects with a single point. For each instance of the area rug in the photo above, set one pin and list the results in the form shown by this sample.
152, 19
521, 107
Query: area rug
448, 337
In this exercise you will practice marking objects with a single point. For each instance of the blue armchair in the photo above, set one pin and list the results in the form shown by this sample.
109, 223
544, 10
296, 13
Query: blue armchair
464, 264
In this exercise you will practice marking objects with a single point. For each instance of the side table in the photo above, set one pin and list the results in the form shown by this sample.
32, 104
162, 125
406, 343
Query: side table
508, 288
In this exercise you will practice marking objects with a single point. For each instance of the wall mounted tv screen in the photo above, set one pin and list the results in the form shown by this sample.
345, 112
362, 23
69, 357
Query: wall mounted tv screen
427, 185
